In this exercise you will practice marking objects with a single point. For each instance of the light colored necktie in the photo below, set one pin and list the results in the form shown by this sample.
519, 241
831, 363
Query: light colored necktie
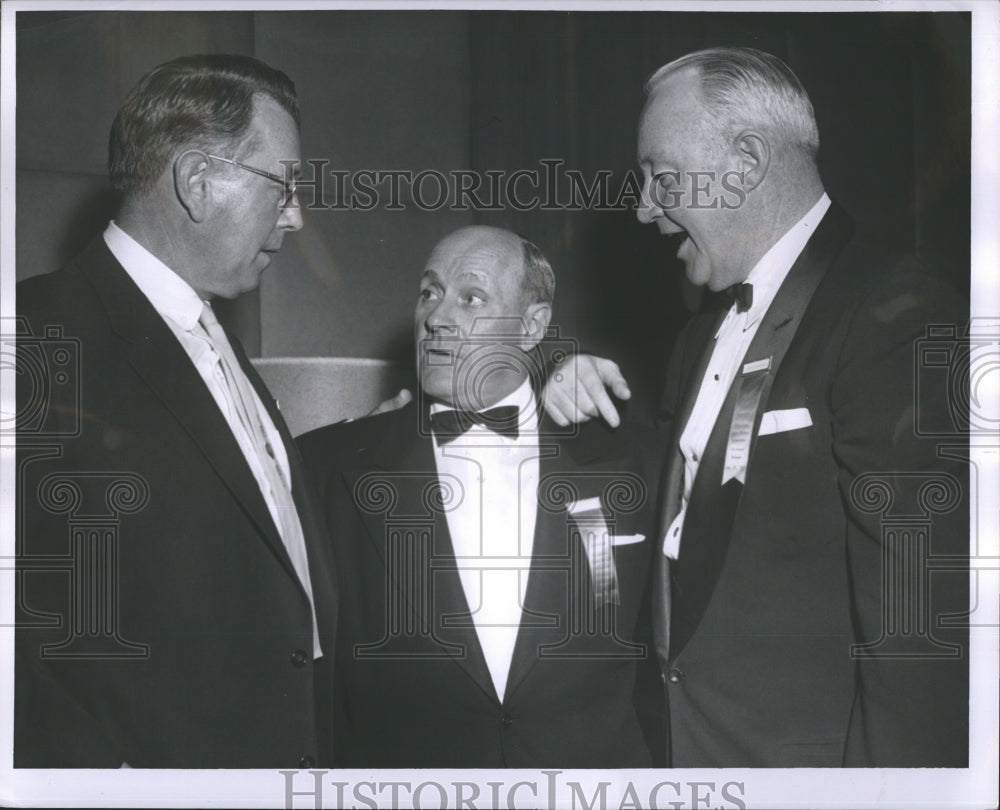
242, 396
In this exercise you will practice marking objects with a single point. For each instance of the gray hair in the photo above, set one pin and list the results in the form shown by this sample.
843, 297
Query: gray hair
538, 281
745, 87
203, 101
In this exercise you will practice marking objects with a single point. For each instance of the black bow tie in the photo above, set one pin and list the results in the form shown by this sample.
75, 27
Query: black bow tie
742, 294
449, 425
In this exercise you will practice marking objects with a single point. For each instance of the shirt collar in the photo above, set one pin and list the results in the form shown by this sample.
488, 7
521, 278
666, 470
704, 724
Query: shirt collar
170, 295
770, 271
521, 396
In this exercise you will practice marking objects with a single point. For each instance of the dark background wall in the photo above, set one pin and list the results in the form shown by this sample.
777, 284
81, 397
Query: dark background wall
496, 91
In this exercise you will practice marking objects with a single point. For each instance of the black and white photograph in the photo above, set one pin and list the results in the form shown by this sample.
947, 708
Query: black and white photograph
578, 405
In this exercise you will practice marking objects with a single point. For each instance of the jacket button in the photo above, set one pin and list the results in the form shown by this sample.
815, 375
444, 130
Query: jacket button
506, 720
299, 658
675, 675
306, 762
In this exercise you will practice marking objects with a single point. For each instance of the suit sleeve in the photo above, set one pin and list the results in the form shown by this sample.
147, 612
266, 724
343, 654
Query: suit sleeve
907, 506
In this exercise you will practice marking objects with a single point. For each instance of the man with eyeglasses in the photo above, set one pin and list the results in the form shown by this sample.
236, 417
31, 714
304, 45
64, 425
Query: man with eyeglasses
193, 621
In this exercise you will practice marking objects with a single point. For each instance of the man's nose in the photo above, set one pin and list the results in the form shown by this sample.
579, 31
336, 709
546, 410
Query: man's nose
290, 218
439, 321
647, 210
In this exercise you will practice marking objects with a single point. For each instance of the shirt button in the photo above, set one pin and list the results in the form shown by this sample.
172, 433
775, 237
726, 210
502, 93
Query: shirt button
694, 456
506, 720
675, 675
299, 658
306, 762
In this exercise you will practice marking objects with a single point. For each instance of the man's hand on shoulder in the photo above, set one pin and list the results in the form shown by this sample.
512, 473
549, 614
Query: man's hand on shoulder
393, 403
576, 390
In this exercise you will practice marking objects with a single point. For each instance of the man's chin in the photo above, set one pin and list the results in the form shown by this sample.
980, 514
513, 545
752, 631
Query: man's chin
436, 386
695, 274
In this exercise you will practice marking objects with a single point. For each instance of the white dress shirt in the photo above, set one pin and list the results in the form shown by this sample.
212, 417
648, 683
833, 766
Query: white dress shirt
731, 343
180, 307
493, 526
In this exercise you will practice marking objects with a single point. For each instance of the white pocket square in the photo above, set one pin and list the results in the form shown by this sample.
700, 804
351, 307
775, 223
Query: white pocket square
626, 539
780, 421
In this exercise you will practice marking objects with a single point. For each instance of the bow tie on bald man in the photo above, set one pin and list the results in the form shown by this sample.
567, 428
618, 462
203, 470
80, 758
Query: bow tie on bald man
449, 425
742, 294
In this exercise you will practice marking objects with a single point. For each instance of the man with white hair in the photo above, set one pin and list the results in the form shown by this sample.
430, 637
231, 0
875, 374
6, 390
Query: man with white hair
798, 623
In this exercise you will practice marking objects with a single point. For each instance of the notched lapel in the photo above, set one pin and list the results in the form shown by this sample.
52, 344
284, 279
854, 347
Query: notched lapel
162, 364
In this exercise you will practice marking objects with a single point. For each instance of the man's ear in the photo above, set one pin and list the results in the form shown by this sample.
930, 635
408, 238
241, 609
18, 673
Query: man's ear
536, 322
753, 156
191, 183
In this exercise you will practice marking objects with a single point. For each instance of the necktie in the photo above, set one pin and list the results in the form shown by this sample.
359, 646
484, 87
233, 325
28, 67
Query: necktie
742, 294
449, 425
286, 517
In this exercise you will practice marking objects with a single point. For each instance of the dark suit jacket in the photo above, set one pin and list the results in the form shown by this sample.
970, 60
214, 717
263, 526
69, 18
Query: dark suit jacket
783, 649
162, 623
416, 689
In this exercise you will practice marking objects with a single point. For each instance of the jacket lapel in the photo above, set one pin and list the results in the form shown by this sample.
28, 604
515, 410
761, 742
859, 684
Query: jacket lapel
322, 573
712, 510
672, 475
560, 590
545, 612
163, 365
703, 344
783, 318
394, 484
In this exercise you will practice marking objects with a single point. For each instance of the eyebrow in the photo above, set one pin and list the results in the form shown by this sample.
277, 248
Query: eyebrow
473, 275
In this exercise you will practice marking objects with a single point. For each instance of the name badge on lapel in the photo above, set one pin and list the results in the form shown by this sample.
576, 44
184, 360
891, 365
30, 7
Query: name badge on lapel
589, 523
751, 383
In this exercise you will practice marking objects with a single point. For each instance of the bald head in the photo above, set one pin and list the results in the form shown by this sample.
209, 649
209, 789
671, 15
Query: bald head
523, 264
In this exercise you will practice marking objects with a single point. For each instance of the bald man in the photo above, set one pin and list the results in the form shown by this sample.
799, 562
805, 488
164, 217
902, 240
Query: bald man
497, 563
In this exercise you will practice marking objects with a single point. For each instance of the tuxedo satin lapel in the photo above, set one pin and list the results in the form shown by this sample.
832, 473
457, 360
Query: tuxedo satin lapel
784, 316
702, 343
163, 365
394, 487
388, 480
713, 507
672, 476
545, 614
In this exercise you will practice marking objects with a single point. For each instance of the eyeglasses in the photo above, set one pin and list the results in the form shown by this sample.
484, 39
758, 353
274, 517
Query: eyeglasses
287, 185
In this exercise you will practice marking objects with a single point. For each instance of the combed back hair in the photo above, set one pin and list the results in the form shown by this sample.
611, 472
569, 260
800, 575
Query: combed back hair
538, 281
195, 102
745, 88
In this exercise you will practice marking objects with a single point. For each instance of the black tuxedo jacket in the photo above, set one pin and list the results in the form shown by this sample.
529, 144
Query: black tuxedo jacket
813, 621
161, 621
415, 685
